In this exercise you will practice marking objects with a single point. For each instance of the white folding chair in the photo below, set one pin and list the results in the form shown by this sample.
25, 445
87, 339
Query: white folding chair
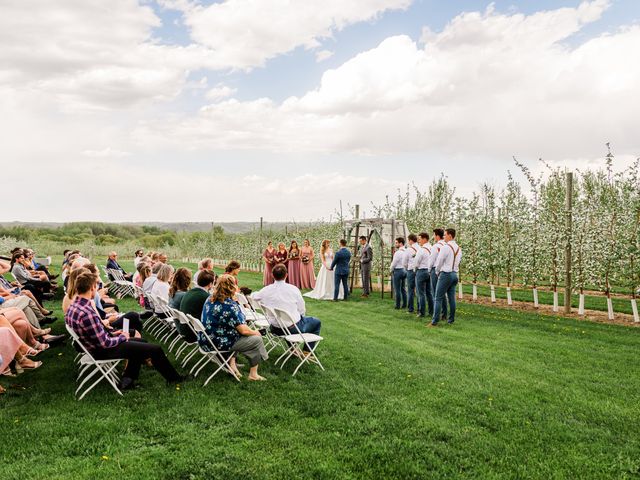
211, 354
257, 316
104, 369
294, 338
184, 321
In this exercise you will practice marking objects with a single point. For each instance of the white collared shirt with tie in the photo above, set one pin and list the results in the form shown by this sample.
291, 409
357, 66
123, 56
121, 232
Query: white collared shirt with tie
284, 296
449, 258
399, 259
412, 251
423, 257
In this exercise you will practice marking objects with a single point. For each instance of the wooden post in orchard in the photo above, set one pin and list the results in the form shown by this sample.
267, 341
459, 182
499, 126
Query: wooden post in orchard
567, 256
354, 262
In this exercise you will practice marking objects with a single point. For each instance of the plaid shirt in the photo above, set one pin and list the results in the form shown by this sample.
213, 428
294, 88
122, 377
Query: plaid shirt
85, 321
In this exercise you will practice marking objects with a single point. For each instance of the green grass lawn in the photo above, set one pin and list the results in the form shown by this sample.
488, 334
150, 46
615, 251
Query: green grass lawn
501, 394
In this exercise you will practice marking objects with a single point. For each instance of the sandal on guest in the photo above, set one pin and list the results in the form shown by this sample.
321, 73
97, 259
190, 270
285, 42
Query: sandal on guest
43, 332
257, 379
31, 352
31, 367
41, 347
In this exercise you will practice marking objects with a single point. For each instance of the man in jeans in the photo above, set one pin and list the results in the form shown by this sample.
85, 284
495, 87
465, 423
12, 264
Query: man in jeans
287, 297
447, 267
423, 276
438, 243
412, 251
399, 266
103, 345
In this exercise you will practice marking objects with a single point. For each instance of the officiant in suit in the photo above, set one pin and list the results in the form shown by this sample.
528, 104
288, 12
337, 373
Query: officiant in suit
366, 258
340, 265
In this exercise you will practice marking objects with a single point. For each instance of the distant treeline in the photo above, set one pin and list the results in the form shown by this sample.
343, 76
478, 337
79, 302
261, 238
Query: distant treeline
99, 233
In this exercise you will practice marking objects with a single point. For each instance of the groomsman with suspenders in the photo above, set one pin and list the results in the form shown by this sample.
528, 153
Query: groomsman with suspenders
399, 273
438, 243
423, 276
412, 250
447, 266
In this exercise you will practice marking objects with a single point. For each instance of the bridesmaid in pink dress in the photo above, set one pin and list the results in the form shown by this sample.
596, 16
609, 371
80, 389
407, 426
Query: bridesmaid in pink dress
281, 255
294, 265
269, 261
307, 272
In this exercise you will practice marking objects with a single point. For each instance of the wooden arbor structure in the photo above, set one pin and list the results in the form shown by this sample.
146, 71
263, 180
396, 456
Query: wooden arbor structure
381, 234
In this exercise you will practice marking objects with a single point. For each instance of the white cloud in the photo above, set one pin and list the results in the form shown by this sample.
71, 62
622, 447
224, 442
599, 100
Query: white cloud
246, 33
219, 92
488, 85
323, 55
106, 153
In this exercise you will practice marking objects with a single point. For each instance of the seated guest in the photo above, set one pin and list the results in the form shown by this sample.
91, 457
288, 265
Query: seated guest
194, 299
30, 254
287, 297
148, 282
8, 291
14, 318
39, 287
162, 258
112, 264
179, 287
162, 286
204, 264
12, 347
233, 269
103, 345
27, 305
225, 325
137, 256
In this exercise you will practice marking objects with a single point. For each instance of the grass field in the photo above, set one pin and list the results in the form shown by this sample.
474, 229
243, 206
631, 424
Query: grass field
501, 394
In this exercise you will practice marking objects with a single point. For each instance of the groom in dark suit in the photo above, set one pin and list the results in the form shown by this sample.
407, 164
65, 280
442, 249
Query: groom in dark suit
341, 263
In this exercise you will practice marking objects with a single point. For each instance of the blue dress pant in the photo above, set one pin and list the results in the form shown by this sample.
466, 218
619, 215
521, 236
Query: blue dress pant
400, 287
434, 284
423, 289
446, 289
411, 290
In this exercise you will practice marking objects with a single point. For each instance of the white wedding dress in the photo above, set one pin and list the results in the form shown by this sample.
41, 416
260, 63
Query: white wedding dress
325, 281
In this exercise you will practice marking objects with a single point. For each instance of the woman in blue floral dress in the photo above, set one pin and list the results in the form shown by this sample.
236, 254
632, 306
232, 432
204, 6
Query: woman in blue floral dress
225, 325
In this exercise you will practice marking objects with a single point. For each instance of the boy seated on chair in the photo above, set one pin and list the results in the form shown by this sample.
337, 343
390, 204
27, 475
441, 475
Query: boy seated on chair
287, 297
83, 318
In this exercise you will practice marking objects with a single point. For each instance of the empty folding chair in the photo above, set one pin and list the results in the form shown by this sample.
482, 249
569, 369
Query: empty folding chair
295, 338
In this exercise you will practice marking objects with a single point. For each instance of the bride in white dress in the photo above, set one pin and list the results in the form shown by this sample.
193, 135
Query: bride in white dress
325, 281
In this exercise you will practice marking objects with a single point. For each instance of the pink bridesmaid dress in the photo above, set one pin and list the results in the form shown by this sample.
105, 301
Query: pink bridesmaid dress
269, 258
307, 272
294, 269
9, 345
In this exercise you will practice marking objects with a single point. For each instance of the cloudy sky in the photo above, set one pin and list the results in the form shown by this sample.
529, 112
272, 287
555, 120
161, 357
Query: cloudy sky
188, 110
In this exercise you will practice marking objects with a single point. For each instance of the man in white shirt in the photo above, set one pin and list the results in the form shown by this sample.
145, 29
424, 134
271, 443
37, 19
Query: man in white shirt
438, 243
399, 273
447, 267
412, 251
287, 297
423, 276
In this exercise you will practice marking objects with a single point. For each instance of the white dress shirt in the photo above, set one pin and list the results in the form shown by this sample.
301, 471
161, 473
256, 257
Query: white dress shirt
423, 257
160, 290
284, 296
435, 250
399, 259
412, 251
449, 258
